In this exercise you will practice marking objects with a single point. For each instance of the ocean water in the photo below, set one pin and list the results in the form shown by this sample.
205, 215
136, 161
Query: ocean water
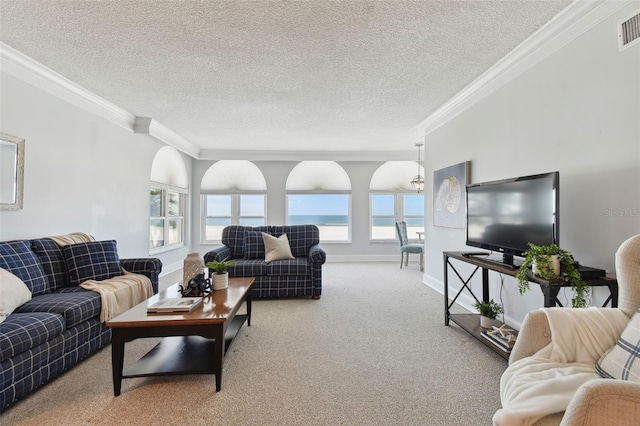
320, 220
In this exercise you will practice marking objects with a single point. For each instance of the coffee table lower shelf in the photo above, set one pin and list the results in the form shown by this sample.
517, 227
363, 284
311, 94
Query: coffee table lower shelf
183, 354
471, 324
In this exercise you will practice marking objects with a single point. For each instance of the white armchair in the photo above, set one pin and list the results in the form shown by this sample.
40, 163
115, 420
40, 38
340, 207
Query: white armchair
597, 401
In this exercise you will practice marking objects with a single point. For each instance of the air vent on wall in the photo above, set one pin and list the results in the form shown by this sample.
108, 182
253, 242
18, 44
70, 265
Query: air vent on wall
629, 32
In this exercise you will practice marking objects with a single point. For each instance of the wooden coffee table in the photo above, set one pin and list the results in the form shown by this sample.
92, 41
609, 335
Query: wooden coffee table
193, 342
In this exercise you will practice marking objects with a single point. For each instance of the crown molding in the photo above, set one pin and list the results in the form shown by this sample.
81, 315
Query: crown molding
575, 20
161, 132
22, 67
263, 155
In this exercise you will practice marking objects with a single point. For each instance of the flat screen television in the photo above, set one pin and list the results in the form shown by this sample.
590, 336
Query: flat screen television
505, 215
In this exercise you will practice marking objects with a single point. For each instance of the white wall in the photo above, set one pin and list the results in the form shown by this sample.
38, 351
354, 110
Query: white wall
578, 112
82, 173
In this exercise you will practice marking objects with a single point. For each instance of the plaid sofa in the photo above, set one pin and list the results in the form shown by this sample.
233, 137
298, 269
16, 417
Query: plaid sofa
60, 325
301, 276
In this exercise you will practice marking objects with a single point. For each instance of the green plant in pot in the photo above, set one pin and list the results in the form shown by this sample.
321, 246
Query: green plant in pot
489, 310
542, 258
221, 272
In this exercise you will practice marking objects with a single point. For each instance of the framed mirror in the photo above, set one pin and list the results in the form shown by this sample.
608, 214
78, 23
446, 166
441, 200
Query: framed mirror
11, 172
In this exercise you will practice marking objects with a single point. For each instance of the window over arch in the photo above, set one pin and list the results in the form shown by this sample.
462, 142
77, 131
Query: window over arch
167, 200
392, 199
319, 193
233, 192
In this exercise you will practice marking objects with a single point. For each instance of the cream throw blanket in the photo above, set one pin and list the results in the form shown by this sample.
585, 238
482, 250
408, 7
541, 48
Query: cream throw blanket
118, 294
73, 238
545, 382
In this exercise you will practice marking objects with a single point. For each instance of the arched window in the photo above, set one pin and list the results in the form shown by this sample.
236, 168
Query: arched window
319, 193
393, 199
233, 192
168, 200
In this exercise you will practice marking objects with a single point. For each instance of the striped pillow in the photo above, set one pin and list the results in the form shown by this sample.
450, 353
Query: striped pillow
623, 360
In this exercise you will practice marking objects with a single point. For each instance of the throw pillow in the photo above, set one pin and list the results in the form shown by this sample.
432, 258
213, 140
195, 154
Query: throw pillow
623, 360
13, 293
17, 257
276, 248
96, 260
253, 245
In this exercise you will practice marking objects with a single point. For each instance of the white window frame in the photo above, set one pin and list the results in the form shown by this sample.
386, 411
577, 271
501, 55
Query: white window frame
184, 195
235, 211
398, 215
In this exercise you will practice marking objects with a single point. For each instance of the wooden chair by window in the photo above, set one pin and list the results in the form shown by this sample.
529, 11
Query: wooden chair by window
406, 247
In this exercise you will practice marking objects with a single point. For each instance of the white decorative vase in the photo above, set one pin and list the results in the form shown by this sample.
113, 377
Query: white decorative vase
192, 266
485, 322
555, 264
220, 281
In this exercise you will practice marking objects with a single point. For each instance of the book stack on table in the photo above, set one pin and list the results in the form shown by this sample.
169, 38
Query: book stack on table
503, 337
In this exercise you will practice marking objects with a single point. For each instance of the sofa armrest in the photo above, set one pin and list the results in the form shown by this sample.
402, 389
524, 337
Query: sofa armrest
604, 401
150, 267
534, 335
317, 254
219, 253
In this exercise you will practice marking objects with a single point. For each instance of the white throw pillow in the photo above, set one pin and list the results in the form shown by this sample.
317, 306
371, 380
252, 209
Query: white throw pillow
276, 248
13, 293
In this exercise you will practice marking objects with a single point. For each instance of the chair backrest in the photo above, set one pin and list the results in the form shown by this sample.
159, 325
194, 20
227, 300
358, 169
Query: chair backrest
628, 275
401, 227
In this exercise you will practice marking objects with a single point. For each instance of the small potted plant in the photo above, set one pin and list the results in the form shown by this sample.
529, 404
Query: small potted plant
488, 312
220, 272
541, 259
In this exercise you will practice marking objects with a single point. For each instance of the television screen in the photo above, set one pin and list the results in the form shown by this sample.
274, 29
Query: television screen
508, 214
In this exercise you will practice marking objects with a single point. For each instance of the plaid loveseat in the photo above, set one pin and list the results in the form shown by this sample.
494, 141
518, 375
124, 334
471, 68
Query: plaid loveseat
60, 325
301, 276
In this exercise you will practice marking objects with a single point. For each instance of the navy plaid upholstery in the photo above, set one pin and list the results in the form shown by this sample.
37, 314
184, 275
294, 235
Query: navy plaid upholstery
97, 260
219, 253
20, 332
75, 306
301, 237
21, 374
56, 329
149, 267
317, 255
253, 245
268, 286
17, 258
301, 276
297, 266
52, 261
233, 237
248, 268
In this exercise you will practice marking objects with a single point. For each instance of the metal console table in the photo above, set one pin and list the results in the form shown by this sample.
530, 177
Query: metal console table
470, 322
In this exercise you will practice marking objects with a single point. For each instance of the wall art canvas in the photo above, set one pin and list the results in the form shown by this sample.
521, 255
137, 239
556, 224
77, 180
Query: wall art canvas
449, 199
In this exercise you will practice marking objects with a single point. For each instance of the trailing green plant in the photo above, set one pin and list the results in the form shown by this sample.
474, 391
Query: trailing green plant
569, 273
221, 266
490, 309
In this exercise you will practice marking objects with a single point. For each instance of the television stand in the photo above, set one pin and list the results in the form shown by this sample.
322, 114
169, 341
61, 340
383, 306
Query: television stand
471, 322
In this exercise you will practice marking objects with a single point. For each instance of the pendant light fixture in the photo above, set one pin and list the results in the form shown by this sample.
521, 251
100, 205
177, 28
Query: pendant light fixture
418, 181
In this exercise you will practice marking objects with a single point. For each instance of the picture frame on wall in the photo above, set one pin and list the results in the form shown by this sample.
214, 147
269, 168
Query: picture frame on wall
449, 200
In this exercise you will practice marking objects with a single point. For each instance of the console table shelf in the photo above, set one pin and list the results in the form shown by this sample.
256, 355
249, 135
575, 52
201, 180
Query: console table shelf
471, 322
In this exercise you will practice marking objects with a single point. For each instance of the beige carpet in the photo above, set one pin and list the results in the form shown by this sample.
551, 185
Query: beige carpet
372, 351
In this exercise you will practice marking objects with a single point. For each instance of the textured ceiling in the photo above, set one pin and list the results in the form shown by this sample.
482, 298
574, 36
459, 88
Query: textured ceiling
276, 75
